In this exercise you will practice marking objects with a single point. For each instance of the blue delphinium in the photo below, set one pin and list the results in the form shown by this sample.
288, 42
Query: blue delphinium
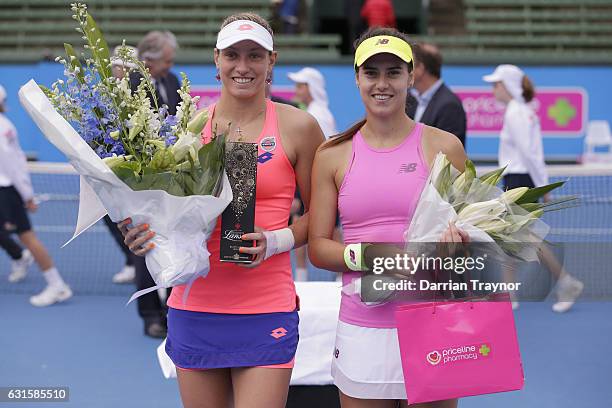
93, 114
166, 130
119, 123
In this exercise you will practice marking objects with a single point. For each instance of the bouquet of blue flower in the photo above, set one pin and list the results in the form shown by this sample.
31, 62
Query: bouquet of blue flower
145, 146
135, 160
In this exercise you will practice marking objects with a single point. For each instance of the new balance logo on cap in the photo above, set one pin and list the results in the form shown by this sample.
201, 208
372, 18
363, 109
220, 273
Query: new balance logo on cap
382, 41
245, 27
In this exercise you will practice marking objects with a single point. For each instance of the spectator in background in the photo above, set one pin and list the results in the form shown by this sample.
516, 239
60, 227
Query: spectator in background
21, 259
157, 49
119, 67
521, 151
17, 195
355, 24
430, 101
288, 12
127, 274
310, 91
275, 98
379, 13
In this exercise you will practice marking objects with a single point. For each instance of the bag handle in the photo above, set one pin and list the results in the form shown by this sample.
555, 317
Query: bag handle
469, 291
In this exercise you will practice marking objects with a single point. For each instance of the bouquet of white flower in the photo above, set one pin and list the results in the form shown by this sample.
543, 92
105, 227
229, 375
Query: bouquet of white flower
511, 219
134, 159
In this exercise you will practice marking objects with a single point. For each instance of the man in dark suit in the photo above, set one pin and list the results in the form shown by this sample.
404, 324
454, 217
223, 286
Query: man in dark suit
430, 101
157, 49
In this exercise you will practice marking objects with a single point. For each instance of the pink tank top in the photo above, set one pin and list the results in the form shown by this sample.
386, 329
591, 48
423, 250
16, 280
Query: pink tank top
268, 288
377, 198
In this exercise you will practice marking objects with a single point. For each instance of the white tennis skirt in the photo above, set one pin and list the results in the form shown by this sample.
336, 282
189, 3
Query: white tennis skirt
367, 363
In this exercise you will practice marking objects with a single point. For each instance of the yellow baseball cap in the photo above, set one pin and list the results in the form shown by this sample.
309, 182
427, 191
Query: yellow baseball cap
383, 44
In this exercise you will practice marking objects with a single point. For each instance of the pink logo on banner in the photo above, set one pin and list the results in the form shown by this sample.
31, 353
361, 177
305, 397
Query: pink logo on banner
210, 94
562, 111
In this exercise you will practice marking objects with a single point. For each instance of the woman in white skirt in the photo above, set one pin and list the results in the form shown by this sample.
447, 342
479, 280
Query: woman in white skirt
372, 175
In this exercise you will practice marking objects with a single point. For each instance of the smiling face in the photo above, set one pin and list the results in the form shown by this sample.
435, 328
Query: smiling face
244, 67
383, 82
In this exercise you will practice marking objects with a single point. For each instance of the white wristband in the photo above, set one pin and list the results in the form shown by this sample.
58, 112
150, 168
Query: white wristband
353, 257
278, 241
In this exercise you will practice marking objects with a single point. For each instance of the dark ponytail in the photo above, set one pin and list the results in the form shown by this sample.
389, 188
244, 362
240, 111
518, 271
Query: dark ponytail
344, 136
528, 89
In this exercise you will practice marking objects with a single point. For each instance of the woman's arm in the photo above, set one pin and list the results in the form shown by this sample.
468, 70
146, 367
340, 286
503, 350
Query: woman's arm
436, 140
301, 135
307, 139
323, 251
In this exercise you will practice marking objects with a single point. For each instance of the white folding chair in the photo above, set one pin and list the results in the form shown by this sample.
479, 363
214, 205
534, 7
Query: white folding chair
598, 136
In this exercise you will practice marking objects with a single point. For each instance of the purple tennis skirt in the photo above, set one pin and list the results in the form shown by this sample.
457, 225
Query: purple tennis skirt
198, 340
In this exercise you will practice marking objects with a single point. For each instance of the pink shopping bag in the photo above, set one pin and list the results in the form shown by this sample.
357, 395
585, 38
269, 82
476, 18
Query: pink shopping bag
459, 348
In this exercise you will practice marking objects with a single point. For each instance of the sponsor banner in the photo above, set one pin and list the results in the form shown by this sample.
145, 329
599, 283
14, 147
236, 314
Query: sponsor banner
562, 111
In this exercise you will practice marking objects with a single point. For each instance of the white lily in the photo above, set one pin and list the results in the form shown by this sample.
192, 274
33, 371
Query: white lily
186, 142
439, 163
537, 213
510, 196
114, 160
519, 221
197, 123
496, 225
460, 183
480, 212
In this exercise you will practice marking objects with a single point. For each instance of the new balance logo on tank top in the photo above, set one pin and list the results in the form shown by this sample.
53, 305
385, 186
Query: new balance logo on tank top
376, 201
407, 168
268, 287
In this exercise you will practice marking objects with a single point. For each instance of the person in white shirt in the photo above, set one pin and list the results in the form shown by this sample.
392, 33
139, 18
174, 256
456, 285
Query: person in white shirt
17, 195
310, 91
520, 149
21, 258
520, 144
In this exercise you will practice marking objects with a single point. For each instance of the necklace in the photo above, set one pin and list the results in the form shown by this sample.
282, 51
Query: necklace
238, 130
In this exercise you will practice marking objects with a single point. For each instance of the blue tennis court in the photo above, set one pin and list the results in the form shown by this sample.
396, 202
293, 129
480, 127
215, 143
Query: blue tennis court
94, 344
